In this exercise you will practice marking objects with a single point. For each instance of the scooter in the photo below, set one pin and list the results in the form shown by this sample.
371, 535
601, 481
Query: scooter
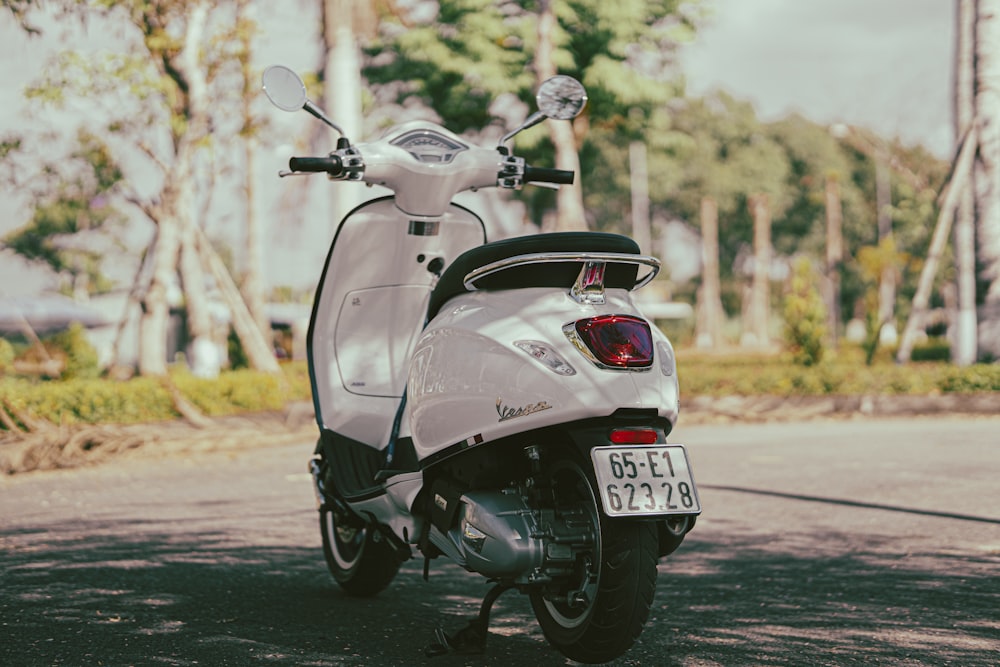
505, 405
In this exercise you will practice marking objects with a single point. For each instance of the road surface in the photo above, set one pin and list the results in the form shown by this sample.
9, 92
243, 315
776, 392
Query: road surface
821, 543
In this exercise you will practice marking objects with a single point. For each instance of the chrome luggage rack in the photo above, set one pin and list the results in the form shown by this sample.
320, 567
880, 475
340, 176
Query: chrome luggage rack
589, 285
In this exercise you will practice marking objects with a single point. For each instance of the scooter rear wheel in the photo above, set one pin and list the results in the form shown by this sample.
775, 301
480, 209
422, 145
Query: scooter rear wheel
617, 580
360, 559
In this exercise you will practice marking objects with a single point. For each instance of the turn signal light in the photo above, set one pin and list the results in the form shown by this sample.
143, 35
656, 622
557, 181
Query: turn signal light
617, 341
633, 436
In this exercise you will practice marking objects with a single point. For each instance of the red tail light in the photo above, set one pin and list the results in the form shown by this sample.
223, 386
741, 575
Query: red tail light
618, 341
633, 436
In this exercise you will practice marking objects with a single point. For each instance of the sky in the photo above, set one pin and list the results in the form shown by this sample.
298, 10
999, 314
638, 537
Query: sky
881, 64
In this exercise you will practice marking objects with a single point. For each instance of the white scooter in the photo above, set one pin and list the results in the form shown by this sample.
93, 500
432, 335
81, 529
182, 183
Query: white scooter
504, 404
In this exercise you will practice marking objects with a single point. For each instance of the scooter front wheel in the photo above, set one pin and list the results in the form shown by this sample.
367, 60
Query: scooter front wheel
359, 558
614, 584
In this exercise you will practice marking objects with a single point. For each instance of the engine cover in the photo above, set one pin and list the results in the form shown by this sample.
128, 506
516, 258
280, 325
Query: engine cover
500, 536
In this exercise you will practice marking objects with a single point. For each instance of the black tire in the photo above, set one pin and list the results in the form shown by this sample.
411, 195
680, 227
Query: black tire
360, 559
618, 599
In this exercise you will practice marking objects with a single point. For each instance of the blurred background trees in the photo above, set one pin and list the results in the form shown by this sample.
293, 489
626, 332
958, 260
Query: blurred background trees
769, 190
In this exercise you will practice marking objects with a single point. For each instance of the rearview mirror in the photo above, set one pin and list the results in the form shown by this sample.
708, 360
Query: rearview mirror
284, 88
561, 97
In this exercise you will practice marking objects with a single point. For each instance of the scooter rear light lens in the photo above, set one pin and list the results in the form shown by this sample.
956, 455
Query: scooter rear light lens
633, 436
617, 341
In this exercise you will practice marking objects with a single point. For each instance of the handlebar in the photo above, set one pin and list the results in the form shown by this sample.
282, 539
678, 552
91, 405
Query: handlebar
546, 175
332, 165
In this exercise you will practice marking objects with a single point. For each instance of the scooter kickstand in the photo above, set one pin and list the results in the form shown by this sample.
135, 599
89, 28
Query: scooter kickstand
472, 638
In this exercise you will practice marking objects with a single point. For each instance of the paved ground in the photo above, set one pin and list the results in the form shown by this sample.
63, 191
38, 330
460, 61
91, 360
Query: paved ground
845, 542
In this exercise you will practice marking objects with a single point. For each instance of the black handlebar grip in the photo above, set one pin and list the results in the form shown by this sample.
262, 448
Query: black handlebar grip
331, 165
545, 175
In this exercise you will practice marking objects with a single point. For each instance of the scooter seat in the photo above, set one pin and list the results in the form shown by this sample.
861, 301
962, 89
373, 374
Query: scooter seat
556, 274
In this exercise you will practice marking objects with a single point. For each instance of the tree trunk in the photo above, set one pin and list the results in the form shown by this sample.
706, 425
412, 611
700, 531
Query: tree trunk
834, 256
639, 173
343, 21
959, 180
887, 281
755, 331
252, 285
203, 354
155, 302
571, 214
257, 349
710, 314
987, 105
964, 345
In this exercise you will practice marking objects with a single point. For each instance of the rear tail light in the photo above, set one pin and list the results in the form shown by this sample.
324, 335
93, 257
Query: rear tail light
633, 436
614, 341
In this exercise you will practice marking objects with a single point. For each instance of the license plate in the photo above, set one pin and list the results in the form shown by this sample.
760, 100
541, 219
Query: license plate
645, 480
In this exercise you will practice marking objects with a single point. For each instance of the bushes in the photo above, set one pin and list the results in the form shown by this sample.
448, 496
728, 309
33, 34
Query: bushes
745, 375
805, 316
81, 357
148, 399
236, 391
6, 355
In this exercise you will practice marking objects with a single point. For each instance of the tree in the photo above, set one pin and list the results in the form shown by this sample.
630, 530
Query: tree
987, 170
804, 315
732, 177
976, 168
252, 285
965, 349
477, 52
157, 112
344, 24
73, 202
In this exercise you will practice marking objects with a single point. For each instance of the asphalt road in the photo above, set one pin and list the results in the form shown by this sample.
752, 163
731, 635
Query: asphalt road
821, 543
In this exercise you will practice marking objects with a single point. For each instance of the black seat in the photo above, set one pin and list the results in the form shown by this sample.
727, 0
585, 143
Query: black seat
561, 274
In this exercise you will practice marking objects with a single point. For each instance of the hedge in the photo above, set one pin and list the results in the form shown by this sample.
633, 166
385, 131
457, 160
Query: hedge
149, 400
93, 401
744, 375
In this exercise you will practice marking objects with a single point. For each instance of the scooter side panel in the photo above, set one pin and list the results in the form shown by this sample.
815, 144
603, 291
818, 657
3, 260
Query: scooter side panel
370, 308
470, 384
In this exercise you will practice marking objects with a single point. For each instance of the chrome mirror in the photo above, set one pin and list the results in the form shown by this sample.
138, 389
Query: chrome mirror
284, 88
561, 97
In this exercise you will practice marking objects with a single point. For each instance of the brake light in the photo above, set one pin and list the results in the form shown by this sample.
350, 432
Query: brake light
633, 436
617, 341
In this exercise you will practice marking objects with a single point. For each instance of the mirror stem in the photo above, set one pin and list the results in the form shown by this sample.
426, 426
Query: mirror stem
315, 111
530, 121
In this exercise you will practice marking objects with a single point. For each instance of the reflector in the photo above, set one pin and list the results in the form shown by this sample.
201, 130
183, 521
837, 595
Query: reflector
633, 436
618, 341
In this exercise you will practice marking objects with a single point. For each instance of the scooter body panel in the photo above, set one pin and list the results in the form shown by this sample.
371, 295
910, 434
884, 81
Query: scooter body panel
370, 308
470, 384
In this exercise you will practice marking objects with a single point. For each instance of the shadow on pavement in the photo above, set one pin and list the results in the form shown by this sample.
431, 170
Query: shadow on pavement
742, 601
125, 592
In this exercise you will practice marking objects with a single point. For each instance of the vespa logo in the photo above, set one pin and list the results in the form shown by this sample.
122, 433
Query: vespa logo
506, 412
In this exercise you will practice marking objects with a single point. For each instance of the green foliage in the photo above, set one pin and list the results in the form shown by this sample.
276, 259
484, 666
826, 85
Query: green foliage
744, 375
473, 52
805, 316
236, 391
934, 349
140, 400
89, 401
73, 197
237, 355
81, 357
7, 355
